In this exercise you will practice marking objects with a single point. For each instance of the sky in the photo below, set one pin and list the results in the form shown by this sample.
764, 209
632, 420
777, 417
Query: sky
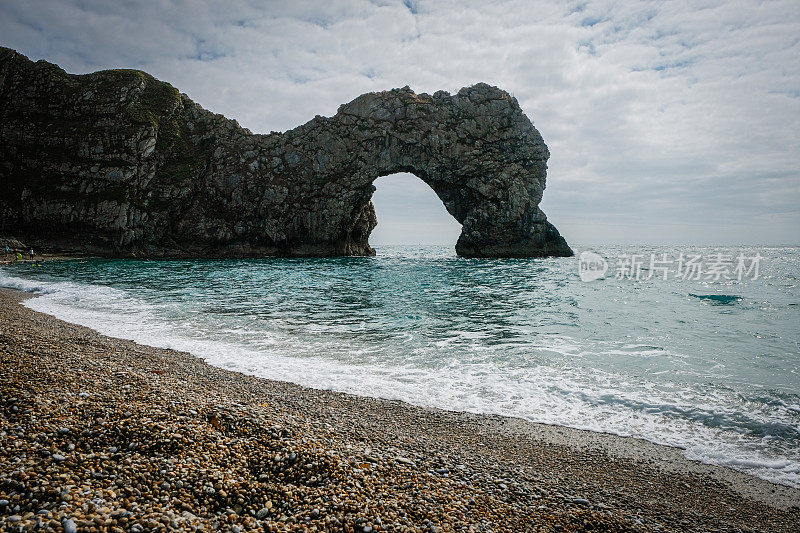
667, 121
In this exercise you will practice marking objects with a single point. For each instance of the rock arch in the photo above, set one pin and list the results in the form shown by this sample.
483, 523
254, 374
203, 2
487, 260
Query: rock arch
119, 163
476, 150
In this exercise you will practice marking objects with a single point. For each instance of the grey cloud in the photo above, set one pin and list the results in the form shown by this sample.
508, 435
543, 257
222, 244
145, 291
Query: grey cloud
671, 115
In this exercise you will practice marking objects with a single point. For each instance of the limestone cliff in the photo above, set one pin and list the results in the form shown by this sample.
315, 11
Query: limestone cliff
118, 163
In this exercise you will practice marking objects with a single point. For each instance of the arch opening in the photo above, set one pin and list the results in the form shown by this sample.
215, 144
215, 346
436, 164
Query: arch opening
410, 213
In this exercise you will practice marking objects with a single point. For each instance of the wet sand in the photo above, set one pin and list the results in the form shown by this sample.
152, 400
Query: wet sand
105, 434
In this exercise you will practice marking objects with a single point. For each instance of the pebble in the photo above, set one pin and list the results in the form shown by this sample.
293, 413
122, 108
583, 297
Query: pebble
285, 459
70, 526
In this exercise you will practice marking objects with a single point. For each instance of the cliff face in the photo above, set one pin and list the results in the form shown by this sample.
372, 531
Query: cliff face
118, 163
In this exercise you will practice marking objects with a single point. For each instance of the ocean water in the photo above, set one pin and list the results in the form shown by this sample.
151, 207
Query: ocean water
710, 366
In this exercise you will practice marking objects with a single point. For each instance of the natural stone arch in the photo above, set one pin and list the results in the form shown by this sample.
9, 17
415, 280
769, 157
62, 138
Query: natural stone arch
119, 163
477, 151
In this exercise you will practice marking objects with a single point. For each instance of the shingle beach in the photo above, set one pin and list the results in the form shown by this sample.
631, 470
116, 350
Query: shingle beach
103, 434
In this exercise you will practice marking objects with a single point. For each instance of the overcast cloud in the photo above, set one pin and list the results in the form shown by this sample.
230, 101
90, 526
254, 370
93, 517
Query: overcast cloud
668, 121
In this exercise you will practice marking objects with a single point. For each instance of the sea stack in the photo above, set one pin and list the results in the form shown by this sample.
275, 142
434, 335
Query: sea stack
118, 163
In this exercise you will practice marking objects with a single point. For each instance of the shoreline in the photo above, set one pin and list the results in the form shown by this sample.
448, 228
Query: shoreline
40, 258
603, 479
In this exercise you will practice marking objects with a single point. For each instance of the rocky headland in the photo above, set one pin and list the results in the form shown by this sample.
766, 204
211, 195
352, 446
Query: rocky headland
118, 163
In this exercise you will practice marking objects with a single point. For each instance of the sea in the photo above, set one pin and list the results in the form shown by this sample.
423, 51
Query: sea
706, 359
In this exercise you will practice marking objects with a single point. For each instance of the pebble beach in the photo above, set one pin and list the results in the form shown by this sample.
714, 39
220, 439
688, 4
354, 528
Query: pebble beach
103, 434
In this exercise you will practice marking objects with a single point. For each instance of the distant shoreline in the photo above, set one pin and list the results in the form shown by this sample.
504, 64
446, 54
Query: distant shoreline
44, 257
572, 473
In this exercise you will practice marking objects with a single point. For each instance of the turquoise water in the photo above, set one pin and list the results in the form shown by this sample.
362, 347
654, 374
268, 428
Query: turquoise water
710, 366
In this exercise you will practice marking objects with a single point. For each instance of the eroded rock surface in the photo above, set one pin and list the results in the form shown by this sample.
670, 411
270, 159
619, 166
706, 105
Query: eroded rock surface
118, 163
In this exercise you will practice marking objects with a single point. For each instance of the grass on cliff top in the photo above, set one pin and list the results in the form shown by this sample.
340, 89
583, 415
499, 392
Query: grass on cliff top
158, 98
156, 101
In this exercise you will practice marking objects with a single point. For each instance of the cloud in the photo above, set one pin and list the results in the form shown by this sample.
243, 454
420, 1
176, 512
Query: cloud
666, 120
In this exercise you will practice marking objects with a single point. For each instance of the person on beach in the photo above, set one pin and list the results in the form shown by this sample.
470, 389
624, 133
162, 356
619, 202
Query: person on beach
7, 251
31, 252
